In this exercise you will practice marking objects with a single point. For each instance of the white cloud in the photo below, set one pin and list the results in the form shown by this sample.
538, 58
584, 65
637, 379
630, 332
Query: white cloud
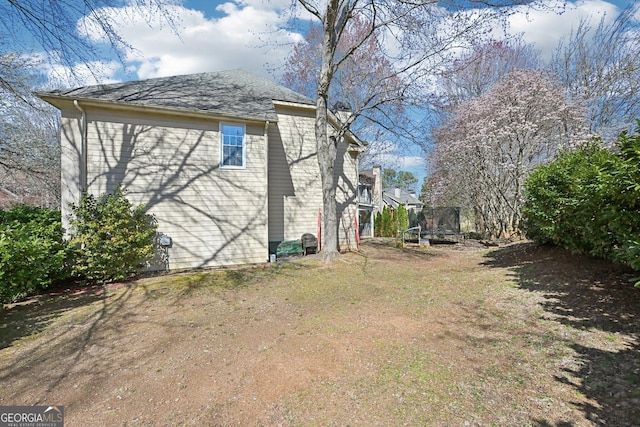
543, 23
393, 156
90, 73
545, 28
246, 36
411, 162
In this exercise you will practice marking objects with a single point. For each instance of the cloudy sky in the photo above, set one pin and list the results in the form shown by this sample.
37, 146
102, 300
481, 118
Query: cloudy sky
248, 34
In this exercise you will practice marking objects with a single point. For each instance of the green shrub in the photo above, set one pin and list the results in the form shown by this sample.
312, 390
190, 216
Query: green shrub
388, 228
413, 219
112, 237
559, 207
25, 214
402, 219
32, 252
623, 212
377, 225
588, 201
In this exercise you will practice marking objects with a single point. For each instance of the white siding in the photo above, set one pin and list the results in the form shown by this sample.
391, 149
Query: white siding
295, 191
295, 194
214, 216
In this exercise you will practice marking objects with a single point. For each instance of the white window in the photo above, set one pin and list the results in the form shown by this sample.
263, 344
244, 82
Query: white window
232, 146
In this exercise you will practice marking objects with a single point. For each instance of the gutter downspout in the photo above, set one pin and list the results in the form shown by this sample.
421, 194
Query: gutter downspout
266, 154
83, 172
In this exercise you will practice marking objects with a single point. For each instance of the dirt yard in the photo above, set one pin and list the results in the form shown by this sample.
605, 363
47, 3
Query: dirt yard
447, 336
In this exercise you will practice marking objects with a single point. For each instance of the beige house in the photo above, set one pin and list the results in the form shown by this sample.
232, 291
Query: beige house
226, 161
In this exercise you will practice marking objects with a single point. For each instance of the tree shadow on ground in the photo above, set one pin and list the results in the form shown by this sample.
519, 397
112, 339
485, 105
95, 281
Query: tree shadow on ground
393, 250
33, 315
590, 296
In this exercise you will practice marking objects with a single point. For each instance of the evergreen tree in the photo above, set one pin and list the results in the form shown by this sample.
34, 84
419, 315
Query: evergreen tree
387, 226
402, 219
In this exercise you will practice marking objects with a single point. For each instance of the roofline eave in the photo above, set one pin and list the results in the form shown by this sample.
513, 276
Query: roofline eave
60, 101
333, 121
294, 104
66, 101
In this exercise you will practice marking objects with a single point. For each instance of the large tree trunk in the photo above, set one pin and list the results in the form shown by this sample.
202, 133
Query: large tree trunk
326, 161
327, 146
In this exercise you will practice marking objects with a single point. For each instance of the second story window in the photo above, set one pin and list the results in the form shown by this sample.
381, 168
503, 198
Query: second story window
232, 143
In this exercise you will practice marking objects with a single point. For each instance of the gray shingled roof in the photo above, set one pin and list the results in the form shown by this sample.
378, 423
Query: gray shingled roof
394, 196
235, 93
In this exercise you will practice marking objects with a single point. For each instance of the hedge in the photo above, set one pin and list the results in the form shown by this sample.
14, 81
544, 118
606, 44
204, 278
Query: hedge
32, 252
110, 240
588, 201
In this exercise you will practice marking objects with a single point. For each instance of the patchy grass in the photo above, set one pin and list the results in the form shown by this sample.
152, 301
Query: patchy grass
461, 335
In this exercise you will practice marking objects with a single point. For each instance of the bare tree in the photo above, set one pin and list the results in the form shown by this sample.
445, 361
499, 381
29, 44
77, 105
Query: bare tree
366, 84
418, 36
30, 153
481, 66
60, 29
29, 150
16, 78
600, 65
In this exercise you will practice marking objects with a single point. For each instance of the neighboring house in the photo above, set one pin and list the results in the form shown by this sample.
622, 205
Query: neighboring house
369, 199
394, 197
372, 199
226, 161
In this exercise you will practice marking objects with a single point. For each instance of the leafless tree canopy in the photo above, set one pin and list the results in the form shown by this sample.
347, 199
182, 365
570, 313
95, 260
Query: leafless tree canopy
30, 154
599, 63
479, 68
488, 146
29, 150
58, 28
418, 36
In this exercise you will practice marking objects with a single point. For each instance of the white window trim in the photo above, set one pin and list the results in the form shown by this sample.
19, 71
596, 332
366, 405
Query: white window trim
244, 145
